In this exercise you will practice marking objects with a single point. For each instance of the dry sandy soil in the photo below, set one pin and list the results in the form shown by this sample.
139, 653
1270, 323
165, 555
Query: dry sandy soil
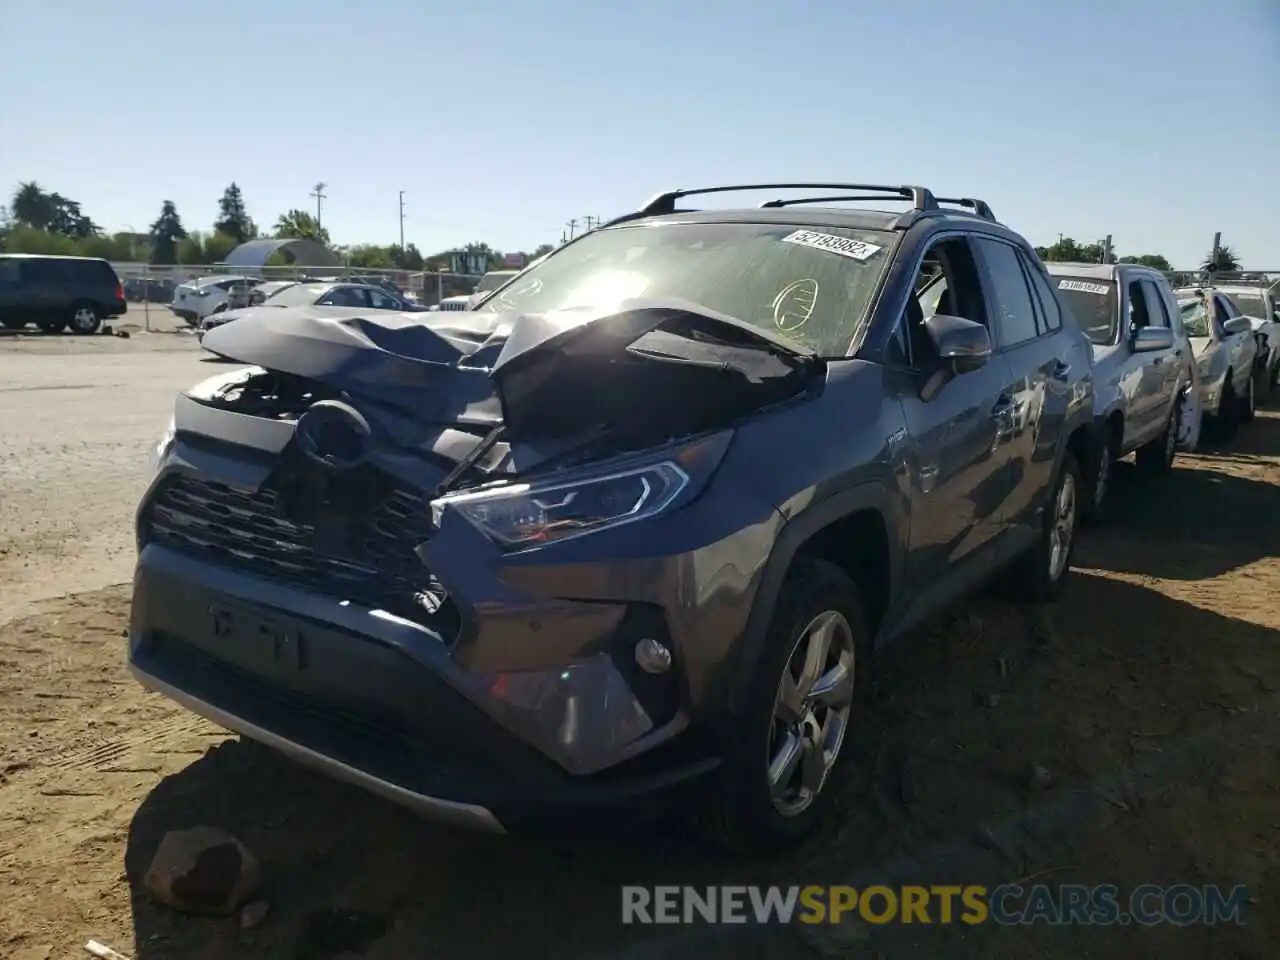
1150, 694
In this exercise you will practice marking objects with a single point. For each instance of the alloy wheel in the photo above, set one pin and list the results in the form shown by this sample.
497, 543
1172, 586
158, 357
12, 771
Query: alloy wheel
1062, 526
811, 713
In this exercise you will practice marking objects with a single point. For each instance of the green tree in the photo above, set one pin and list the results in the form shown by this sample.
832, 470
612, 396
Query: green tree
1225, 261
1152, 260
370, 257
218, 246
25, 239
300, 225
166, 233
541, 251
31, 206
233, 219
1067, 250
68, 219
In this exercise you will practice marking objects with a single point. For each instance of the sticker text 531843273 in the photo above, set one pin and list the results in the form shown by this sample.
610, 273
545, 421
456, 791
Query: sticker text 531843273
1084, 286
842, 246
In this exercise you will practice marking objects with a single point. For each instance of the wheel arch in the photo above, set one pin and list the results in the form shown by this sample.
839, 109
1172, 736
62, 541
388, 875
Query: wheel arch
856, 529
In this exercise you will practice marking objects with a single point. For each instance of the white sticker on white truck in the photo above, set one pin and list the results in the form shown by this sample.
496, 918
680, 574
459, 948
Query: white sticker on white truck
1083, 286
842, 246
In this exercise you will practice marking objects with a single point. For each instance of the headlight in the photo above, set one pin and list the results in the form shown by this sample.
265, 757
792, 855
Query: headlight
520, 515
164, 446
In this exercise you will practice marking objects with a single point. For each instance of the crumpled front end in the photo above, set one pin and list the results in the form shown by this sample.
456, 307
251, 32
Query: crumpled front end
441, 614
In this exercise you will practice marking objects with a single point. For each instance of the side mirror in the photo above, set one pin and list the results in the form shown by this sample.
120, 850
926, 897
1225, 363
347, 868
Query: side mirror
1237, 325
962, 345
1149, 339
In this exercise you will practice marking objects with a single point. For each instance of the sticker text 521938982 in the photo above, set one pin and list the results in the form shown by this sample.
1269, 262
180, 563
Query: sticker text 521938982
1084, 286
842, 246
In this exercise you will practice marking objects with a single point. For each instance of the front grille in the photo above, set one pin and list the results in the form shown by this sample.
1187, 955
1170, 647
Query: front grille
248, 530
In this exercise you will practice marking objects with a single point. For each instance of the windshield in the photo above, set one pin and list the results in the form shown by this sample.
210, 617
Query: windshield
810, 286
297, 295
1250, 304
1195, 318
492, 281
1093, 302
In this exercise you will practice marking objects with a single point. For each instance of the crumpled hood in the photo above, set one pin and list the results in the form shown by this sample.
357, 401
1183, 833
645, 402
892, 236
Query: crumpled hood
547, 374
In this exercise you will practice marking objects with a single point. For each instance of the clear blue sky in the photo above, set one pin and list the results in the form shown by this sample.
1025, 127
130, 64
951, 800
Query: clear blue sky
1157, 121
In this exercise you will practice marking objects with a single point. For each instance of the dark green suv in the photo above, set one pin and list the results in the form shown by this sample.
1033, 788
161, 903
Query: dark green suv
56, 293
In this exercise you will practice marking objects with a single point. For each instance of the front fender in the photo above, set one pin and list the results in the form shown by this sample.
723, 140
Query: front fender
872, 495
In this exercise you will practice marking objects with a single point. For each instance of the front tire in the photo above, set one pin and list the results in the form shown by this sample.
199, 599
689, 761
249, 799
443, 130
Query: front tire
1249, 403
1041, 572
782, 765
1156, 458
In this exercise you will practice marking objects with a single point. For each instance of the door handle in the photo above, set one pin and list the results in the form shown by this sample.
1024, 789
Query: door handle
1003, 411
1157, 361
1060, 370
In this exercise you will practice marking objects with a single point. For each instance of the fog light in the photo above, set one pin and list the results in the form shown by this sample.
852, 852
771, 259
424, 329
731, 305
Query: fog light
652, 657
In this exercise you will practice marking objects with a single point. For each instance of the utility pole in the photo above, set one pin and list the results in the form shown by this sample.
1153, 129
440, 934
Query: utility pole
572, 225
402, 221
590, 221
319, 194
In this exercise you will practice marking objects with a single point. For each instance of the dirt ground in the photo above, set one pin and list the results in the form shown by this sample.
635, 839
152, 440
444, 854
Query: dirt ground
1149, 694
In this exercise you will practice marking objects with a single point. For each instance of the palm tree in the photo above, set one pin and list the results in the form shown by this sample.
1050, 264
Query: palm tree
1224, 261
32, 206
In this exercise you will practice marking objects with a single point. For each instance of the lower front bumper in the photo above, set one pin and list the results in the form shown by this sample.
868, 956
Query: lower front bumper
436, 808
361, 697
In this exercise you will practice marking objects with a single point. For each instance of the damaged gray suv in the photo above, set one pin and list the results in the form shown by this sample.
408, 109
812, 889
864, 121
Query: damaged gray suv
637, 522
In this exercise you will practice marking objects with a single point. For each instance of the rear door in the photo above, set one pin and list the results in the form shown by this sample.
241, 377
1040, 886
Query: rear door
1039, 359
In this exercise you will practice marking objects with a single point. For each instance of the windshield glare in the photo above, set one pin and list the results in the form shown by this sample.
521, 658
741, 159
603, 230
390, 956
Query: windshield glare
1093, 302
297, 295
1195, 318
811, 286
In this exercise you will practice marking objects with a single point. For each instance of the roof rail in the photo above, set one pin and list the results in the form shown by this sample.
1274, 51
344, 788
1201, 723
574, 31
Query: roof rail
781, 202
664, 203
979, 207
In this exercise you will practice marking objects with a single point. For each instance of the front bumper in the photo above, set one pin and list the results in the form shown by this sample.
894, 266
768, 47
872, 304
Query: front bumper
372, 700
190, 316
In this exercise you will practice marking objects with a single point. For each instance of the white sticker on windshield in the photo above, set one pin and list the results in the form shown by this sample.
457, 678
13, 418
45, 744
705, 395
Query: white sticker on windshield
1083, 286
842, 246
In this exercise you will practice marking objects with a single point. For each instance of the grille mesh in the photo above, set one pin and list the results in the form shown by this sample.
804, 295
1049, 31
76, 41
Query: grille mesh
248, 530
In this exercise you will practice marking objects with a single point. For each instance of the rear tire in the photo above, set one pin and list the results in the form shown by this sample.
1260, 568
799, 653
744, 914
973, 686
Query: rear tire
1041, 573
85, 319
748, 812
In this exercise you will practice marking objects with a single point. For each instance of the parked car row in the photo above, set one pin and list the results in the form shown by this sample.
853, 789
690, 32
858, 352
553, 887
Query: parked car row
637, 525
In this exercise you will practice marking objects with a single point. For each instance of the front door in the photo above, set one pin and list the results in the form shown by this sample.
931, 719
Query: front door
954, 442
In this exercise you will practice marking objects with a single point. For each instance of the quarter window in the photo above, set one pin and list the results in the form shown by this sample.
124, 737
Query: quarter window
1013, 309
1050, 307
1157, 309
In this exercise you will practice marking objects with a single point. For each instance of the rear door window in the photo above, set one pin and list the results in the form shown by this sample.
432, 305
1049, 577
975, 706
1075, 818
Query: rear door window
1014, 309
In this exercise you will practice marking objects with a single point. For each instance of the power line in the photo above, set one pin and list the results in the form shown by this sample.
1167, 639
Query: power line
319, 194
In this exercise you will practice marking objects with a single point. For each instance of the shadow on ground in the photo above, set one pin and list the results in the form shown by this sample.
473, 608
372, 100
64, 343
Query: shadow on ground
1161, 746
1192, 524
